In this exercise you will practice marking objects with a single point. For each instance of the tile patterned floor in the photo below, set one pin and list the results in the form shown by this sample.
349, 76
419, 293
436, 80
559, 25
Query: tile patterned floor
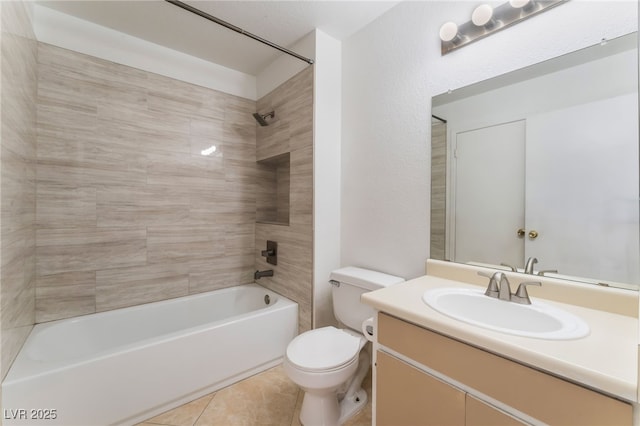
266, 399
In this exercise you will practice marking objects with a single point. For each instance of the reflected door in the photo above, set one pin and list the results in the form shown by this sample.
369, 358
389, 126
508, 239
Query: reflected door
488, 200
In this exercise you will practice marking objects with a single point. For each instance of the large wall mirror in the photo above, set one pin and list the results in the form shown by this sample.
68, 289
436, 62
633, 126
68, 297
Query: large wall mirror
543, 162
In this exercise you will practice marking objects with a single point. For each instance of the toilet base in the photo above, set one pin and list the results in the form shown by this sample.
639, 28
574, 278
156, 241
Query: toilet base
352, 405
324, 409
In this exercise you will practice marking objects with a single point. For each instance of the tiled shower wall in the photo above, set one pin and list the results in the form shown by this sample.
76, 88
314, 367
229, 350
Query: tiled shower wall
18, 186
291, 131
128, 209
438, 188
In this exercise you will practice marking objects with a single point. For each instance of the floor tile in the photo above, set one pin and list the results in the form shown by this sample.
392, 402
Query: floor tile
185, 415
266, 399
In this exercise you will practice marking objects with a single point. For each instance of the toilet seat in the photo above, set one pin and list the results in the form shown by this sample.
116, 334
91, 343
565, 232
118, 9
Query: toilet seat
323, 349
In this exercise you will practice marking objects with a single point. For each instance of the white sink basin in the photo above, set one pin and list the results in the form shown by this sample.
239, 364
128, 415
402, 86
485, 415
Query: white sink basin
537, 320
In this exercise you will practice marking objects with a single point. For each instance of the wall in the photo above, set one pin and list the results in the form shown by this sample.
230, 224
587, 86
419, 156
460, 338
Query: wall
286, 66
128, 209
327, 127
291, 131
60, 29
327, 121
391, 69
18, 187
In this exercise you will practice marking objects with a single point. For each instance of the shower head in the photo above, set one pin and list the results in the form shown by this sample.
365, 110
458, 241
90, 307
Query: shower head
262, 119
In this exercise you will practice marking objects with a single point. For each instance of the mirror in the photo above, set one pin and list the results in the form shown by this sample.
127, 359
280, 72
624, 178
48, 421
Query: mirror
542, 163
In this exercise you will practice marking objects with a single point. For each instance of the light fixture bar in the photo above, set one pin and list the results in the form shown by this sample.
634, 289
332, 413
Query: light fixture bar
503, 16
232, 27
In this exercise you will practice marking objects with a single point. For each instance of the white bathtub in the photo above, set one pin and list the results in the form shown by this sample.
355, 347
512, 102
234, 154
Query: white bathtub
124, 366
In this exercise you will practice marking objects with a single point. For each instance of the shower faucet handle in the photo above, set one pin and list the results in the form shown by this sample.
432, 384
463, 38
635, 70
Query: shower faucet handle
271, 253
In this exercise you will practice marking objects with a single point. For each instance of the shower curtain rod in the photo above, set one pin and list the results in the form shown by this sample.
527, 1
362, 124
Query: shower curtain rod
237, 29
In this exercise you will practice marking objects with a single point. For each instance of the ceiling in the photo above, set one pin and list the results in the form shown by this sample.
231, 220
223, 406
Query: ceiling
281, 22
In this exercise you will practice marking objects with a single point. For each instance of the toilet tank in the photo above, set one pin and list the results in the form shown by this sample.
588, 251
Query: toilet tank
348, 285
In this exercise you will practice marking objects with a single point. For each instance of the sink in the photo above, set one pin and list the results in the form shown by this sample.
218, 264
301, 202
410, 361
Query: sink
537, 320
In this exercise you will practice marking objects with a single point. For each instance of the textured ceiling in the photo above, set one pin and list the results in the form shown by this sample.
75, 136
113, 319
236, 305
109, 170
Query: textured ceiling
282, 22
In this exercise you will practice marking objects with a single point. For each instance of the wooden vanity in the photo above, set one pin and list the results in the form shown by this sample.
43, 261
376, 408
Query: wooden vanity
434, 370
409, 395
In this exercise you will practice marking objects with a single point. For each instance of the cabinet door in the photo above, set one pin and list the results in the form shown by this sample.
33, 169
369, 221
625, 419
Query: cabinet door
482, 414
407, 396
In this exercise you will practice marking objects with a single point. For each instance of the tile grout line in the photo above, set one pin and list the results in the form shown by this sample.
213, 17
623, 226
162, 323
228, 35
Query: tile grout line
204, 409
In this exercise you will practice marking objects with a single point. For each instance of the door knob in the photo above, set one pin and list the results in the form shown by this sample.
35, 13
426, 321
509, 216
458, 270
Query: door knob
533, 234
521, 232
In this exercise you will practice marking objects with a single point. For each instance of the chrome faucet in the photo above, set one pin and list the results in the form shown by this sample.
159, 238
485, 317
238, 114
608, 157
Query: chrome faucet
259, 274
528, 267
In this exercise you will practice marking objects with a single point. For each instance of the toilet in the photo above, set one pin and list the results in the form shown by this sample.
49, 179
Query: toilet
329, 363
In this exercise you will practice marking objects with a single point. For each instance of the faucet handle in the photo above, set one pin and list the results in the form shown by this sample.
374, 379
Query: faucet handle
492, 288
522, 296
547, 271
513, 268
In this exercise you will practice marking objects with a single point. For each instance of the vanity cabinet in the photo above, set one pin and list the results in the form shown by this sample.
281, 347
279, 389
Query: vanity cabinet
406, 395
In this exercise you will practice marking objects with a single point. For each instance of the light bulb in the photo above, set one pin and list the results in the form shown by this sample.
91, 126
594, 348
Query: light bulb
448, 31
482, 15
518, 4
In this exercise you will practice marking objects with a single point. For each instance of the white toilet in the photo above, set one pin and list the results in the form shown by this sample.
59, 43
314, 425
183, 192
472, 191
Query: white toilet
329, 363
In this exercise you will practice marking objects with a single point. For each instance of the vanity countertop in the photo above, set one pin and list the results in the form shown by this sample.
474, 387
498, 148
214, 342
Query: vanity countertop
606, 360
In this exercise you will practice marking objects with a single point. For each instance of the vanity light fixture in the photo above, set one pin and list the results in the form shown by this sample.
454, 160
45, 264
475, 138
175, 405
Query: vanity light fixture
526, 5
449, 32
486, 20
482, 16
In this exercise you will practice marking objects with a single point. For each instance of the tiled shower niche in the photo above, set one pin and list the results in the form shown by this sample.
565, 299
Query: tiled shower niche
272, 198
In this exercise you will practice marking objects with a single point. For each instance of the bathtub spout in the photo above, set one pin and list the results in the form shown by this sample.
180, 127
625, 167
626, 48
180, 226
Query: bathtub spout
259, 274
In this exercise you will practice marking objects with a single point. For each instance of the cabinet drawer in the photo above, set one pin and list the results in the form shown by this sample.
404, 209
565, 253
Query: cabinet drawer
539, 395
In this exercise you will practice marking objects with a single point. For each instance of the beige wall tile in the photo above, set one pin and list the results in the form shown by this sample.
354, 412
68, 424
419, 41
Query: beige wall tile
220, 272
121, 287
152, 218
147, 205
65, 206
65, 295
183, 243
273, 140
18, 85
78, 249
125, 193
290, 132
438, 188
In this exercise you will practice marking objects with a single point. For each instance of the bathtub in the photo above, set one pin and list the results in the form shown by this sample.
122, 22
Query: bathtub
127, 365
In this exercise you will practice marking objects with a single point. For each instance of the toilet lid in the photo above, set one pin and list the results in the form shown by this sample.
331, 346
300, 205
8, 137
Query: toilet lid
324, 348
